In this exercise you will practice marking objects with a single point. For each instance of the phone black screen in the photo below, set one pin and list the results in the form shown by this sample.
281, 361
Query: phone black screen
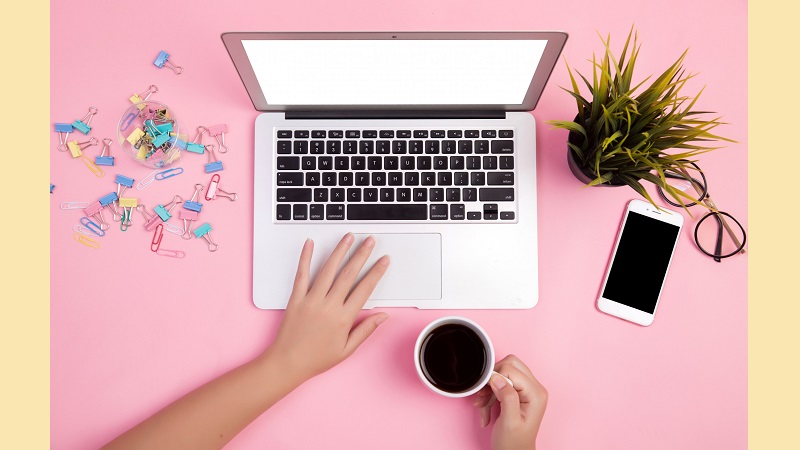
640, 265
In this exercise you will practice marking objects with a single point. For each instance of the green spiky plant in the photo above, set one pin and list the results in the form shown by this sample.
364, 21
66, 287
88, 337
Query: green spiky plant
622, 136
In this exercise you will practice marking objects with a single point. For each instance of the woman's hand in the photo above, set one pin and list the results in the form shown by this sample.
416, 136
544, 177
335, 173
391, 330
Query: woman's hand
521, 405
318, 329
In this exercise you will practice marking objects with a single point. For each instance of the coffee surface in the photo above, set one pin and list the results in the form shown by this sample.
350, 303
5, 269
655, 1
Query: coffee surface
453, 358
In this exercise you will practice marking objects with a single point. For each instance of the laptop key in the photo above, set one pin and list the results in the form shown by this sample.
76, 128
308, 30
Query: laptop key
415, 147
329, 179
420, 133
293, 195
489, 134
300, 212
374, 163
461, 178
431, 147
317, 134
507, 215
395, 179
428, 178
477, 178
335, 134
312, 178
399, 147
366, 147
445, 179
379, 178
464, 146
440, 162
341, 163
301, 134
403, 195
390, 162
309, 163
350, 148
423, 162
404, 133
471, 133
321, 195
317, 147
358, 163
500, 178
502, 146
334, 212
284, 147
352, 134
387, 133
454, 133
387, 195
370, 134
290, 179
354, 195
496, 194
437, 133
420, 195
438, 212
370, 195
333, 147
325, 163
448, 147
481, 146
473, 162
437, 194
316, 212
284, 134
283, 212
288, 163
457, 162
412, 178
383, 147
506, 133
474, 215
411, 211
345, 178
362, 178
506, 162
490, 162
457, 212
453, 194
470, 194
301, 147
407, 163
337, 195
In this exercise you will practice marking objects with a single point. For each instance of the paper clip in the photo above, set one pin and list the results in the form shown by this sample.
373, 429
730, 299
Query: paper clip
90, 225
192, 205
63, 130
76, 147
169, 173
174, 229
85, 240
187, 216
213, 164
147, 180
127, 204
150, 221
218, 131
93, 167
126, 121
163, 211
104, 160
171, 253
214, 190
141, 98
74, 205
157, 236
204, 231
82, 125
163, 59
83, 230
196, 146
95, 211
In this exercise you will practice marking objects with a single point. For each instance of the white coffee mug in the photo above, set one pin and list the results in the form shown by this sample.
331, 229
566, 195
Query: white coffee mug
487, 371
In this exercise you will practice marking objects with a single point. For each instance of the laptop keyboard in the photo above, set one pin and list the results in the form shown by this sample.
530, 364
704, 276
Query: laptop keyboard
459, 175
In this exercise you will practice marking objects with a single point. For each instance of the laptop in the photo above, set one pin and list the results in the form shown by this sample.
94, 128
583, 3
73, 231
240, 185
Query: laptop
423, 140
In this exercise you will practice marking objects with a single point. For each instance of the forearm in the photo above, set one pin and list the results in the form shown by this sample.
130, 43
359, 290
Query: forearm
211, 415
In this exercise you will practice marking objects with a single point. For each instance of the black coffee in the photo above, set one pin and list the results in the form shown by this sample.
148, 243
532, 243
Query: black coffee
453, 358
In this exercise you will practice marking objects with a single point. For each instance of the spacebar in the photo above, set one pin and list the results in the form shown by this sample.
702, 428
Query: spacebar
387, 212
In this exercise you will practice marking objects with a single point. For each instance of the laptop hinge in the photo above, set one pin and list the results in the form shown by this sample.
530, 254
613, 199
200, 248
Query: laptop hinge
396, 114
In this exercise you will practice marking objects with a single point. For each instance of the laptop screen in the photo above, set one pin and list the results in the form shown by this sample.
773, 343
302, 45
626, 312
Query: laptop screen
394, 72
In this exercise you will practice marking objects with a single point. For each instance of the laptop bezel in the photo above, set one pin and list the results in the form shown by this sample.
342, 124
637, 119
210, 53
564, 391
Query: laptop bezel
555, 44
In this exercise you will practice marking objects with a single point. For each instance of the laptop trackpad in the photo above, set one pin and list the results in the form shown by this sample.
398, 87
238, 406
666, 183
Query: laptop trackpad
415, 272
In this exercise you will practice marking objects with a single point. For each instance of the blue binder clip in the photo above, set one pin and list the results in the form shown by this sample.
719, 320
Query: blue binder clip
163, 211
192, 205
163, 60
104, 160
83, 124
160, 140
204, 231
51, 187
213, 164
108, 199
63, 130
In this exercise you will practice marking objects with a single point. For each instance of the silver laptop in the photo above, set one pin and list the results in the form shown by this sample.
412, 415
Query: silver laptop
423, 140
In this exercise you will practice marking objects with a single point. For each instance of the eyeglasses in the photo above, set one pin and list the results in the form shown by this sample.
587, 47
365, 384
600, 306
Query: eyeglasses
717, 234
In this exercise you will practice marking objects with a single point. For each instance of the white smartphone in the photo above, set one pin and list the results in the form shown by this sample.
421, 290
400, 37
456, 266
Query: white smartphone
642, 256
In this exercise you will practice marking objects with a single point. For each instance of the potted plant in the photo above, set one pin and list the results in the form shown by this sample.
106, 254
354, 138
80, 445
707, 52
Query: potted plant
628, 133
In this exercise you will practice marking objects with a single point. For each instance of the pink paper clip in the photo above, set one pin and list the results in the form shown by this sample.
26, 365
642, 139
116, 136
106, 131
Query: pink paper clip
157, 236
214, 190
218, 131
171, 253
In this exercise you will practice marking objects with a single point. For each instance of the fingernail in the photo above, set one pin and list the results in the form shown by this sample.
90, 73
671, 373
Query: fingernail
498, 381
369, 242
384, 261
381, 319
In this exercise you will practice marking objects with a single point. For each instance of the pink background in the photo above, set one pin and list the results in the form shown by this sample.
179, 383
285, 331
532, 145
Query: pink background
132, 331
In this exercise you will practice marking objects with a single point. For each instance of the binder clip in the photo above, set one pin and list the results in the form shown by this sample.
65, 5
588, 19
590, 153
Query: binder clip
109, 199
150, 221
163, 211
123, 183
213, 165
214, 190
204, 231
63, 130
52, 186
75, 147
196, 146
104, 160
187, 216
83, 124
218, 131
127, 204
95, 211
192, 205
141, 98
163, 59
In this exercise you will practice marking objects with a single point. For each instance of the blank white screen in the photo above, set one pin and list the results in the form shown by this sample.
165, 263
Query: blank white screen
394, 72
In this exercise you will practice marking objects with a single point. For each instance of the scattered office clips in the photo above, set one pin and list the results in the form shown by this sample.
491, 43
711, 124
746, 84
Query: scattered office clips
190, 212
163, 60
151, 221
155, 244
204, 231
123, 183
82, 125
215, 191
151, 133
89, 228
95, 210
218, 132
75, 147
139, 99
103, 159
63, 130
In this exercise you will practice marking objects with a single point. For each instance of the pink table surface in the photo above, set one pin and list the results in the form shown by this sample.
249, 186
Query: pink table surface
132, 331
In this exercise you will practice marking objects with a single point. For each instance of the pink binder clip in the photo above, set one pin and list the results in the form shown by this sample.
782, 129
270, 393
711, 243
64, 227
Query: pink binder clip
95, 210
151, 221
214, 190
187, 216
218, 131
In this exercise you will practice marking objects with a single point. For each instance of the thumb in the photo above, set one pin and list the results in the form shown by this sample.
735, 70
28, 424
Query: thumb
507, 396
363, 330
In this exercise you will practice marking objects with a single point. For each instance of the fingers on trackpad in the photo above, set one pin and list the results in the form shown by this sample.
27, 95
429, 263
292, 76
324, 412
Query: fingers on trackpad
415, 272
